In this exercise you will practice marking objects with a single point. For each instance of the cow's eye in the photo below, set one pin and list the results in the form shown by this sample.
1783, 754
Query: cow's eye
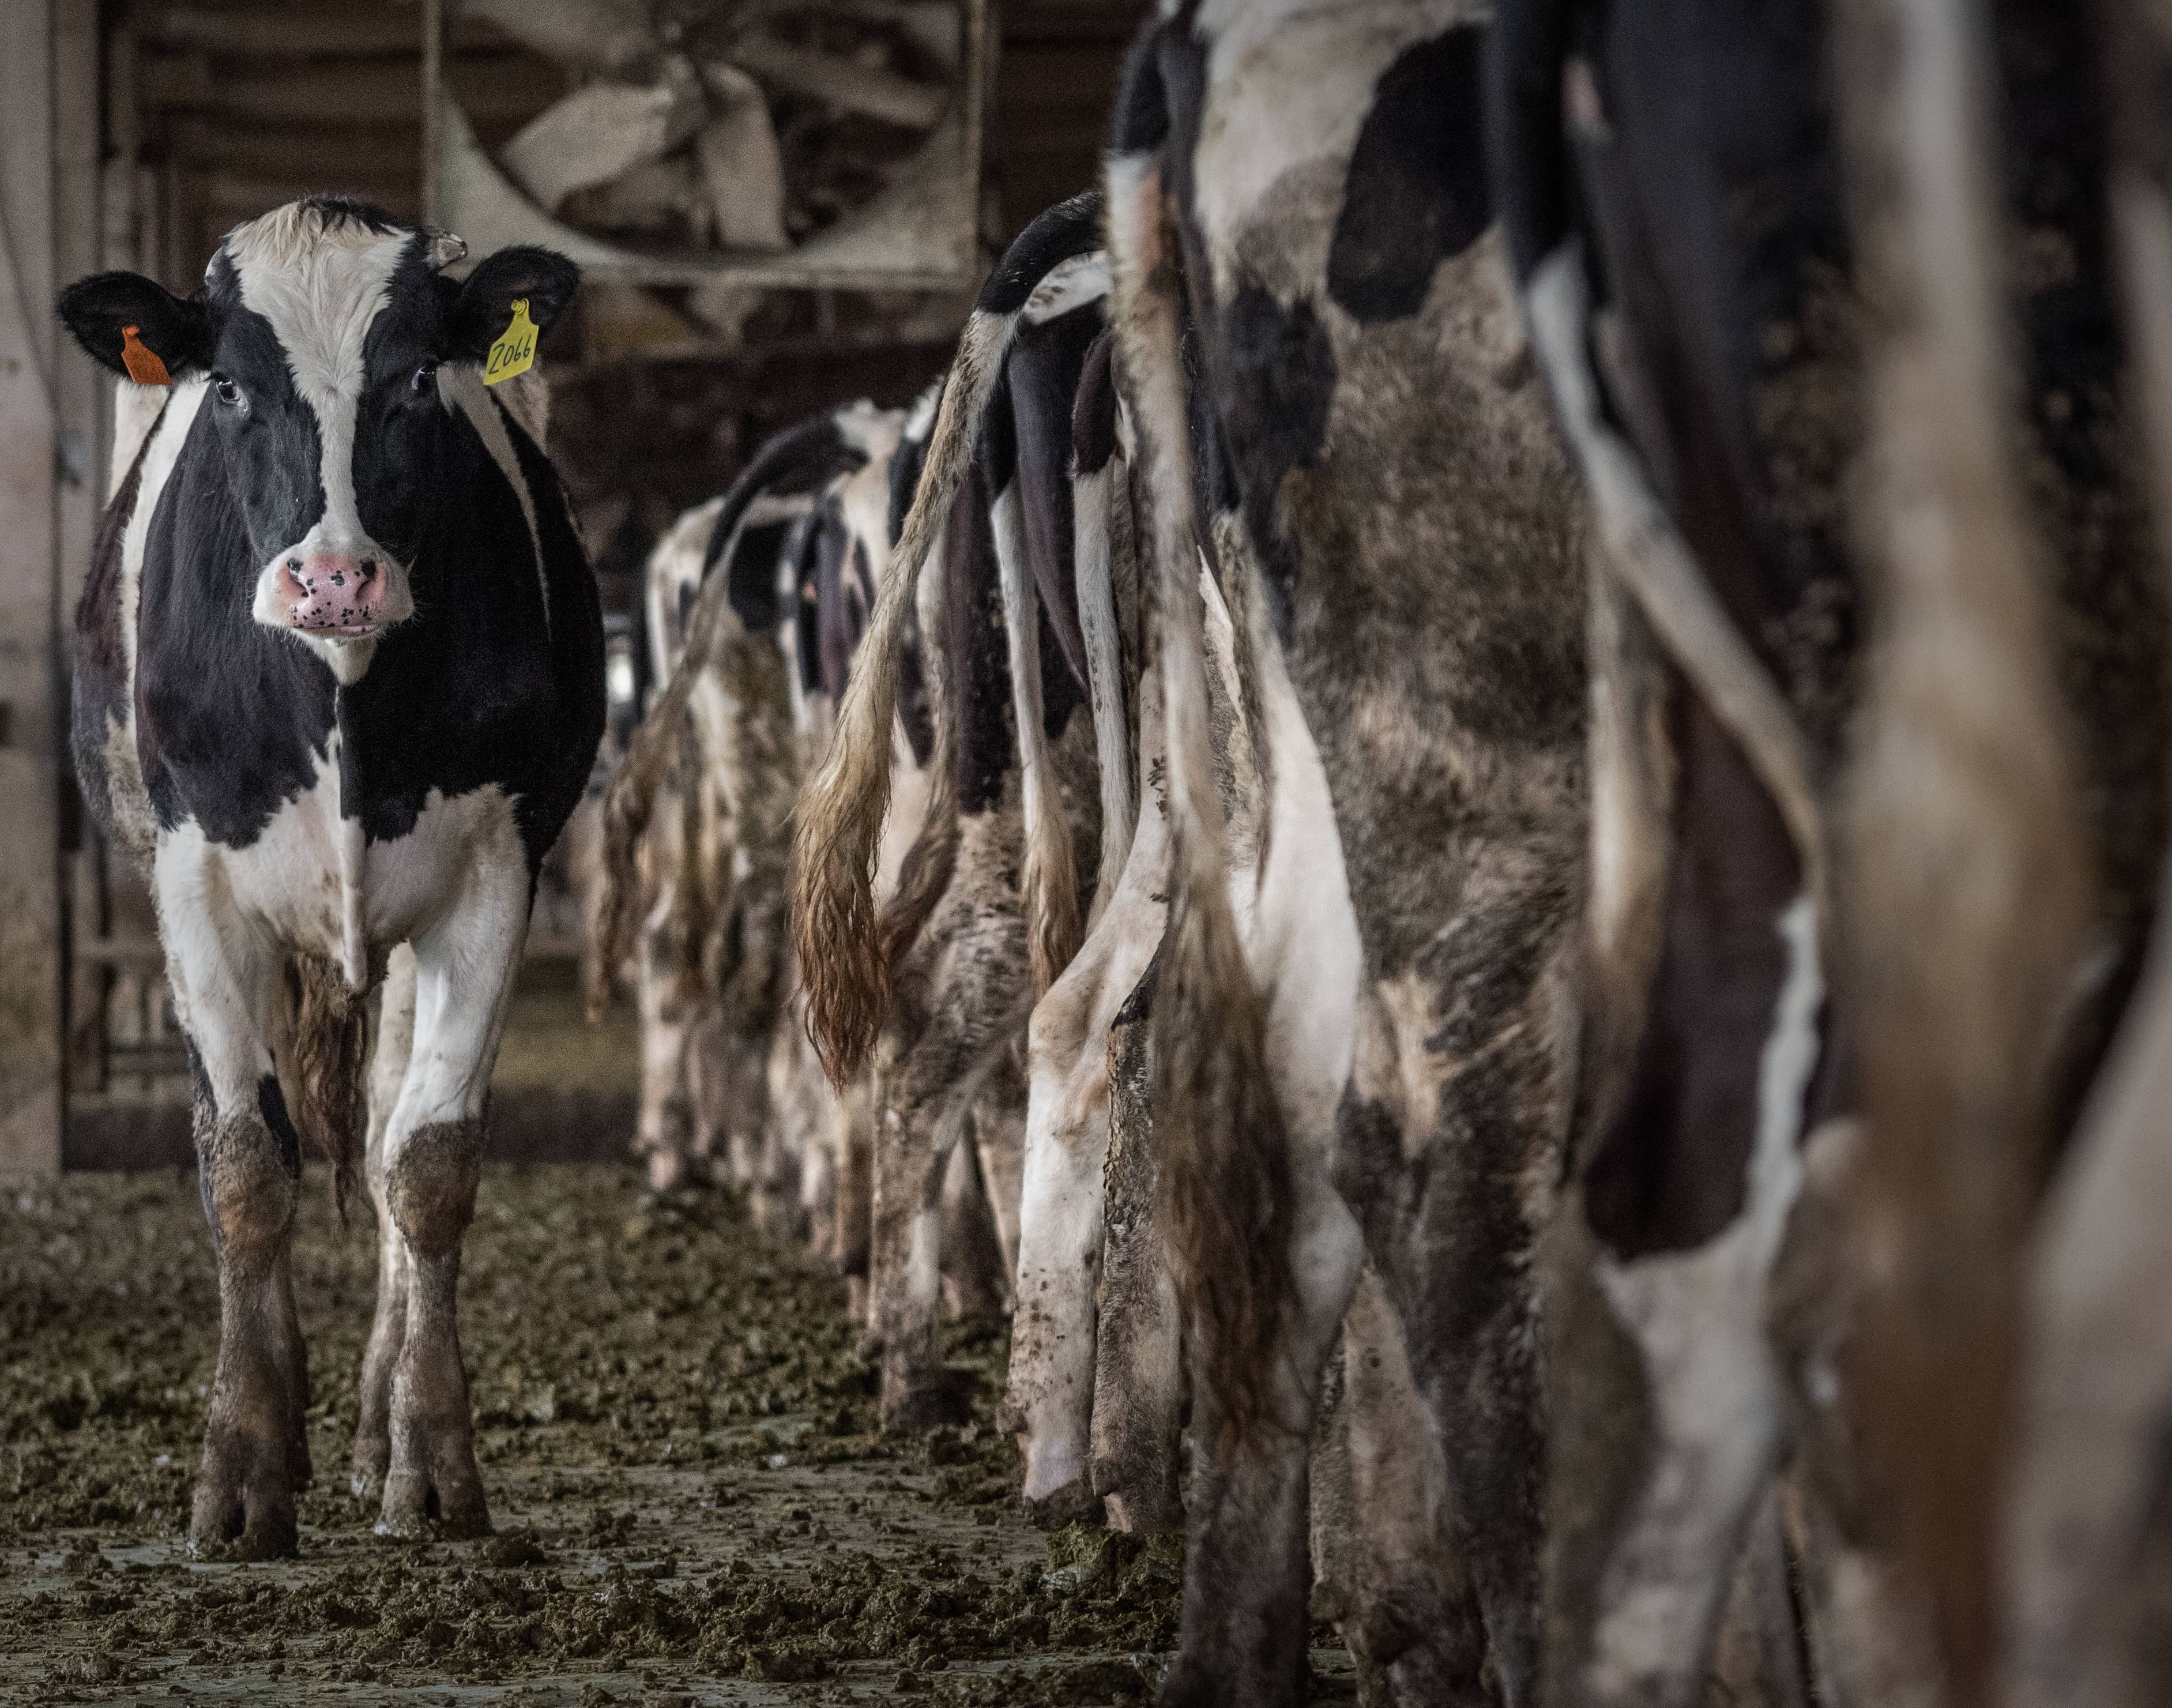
229, 392
424, 379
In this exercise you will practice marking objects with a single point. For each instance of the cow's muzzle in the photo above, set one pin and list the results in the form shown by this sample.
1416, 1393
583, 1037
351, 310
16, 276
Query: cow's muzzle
335, 595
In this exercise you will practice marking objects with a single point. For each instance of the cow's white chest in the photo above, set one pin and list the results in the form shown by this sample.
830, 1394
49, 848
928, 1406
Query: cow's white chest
312, 882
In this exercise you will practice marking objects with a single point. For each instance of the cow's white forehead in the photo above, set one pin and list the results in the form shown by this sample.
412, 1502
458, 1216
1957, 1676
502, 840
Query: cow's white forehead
320, 282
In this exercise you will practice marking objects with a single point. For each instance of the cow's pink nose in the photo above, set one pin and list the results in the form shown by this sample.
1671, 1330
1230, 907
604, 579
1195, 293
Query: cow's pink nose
334, 594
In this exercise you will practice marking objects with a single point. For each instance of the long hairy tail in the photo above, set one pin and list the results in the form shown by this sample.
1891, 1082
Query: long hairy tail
1965, 766
1096, 474
1227, 1204
332, 1068
1051, 877
844, 968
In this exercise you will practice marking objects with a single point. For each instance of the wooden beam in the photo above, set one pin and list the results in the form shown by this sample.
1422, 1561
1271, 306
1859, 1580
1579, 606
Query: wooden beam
30, 988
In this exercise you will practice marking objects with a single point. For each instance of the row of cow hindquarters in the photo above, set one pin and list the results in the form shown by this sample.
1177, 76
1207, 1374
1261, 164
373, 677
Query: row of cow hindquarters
1459, 911
1454, 1000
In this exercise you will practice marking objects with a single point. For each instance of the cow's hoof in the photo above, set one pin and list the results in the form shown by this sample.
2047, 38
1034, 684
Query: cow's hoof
228, 1525
667, 1170
373, 1458
414, 1510
1074, 1503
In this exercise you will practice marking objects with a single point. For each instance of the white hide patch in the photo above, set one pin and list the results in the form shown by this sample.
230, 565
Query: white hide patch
1697, 1318
675, 563
1071, 283
320, 285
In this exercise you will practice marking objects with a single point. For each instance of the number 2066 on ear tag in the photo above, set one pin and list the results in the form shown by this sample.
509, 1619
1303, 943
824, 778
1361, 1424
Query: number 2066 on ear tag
514, 352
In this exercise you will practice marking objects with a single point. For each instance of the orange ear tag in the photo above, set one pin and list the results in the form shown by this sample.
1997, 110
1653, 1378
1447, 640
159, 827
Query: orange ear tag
144, 365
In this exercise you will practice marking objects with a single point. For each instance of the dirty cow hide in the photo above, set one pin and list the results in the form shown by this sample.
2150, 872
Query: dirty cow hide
989, 900
339, 682
1753, 436
1364, 1050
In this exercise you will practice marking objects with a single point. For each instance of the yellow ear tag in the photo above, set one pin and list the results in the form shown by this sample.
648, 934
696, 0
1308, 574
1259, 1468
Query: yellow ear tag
514, 352
142, 363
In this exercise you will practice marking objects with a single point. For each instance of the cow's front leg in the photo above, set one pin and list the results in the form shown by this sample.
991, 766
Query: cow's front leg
464, 967
248, 1161
391, 1050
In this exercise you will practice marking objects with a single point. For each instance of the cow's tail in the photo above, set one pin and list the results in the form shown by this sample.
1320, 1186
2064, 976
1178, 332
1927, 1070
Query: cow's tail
1226, 1206
1051, 878
812, 447
925, 871
332, 1068
1094, 470
840, 941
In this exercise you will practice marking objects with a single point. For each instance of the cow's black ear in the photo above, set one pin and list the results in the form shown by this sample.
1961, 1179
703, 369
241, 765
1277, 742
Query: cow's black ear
177, 331
547, 280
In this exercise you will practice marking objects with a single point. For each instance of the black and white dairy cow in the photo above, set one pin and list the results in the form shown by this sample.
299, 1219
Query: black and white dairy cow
1362, 1049
1873, 610
338, 684
938, 986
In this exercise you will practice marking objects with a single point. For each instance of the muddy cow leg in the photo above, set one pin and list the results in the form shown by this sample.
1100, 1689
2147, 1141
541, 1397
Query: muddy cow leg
1139, 1355
1413, 1624
662, 1133
225, 981
1756, 1656
999, 1147
464, 970
962, 997
853, 1131
1247, 1581
1867, 1608
972, 1256
390, 1051
1051, 1400
780, 1167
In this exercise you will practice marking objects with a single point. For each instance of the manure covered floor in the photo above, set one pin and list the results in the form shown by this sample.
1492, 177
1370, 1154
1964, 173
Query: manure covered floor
690, 1506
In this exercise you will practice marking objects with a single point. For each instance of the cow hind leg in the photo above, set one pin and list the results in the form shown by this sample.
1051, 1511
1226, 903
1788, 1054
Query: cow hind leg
1412, 1619
390, 1051
433, 1163
1138, 1350
972, 1258
248, 1162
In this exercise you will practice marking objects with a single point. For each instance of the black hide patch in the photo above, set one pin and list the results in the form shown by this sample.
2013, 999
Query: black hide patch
1139, 120
841, 616
798, 459
478, 689
904, 467
914, 711
976, 659
1417, 192
750, 575
1070, 227
1672, 1170
802, 561
1046, 364
1093, 408
1275, 381
229, 715
272, 1105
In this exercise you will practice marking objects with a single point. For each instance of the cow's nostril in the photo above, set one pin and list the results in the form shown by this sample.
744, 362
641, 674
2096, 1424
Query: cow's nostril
368, 567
